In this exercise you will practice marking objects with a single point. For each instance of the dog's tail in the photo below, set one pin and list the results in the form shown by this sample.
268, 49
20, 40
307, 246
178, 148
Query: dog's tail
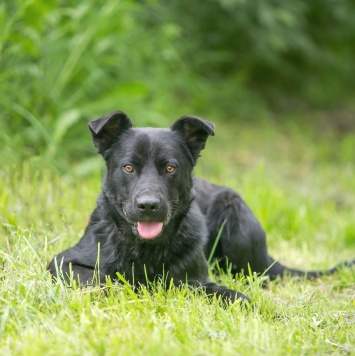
276, 269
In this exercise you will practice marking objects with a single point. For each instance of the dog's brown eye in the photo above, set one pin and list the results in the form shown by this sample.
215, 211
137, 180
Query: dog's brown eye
170, 169
128, 168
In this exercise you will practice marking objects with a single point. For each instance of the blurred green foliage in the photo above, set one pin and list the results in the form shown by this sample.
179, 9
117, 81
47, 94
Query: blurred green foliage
64, 63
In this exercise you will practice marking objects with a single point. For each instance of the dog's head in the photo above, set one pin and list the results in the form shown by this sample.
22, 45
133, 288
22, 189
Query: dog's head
149, 171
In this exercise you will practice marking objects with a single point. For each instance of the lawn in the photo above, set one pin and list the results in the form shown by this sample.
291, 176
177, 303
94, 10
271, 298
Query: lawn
297, 177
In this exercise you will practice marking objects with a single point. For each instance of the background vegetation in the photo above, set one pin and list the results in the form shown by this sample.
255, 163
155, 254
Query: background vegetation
64, 63
277, 79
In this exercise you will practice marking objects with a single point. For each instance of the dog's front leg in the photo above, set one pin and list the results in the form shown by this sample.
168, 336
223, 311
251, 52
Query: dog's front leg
227, 295
69, 270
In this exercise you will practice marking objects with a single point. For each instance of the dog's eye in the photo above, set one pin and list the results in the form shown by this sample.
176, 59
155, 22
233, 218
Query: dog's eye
170, 169
128, 168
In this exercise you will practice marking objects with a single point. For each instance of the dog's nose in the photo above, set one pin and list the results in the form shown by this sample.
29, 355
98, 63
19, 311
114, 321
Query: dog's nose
148, 204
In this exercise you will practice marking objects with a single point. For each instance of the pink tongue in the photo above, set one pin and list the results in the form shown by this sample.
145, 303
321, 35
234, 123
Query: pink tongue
149, 230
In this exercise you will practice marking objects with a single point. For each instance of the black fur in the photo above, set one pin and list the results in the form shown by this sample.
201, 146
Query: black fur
190, 211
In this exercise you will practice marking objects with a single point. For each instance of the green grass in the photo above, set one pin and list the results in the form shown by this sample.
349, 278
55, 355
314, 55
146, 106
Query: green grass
299, 181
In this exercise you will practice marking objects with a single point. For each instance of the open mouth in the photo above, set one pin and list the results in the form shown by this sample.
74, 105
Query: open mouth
149, 229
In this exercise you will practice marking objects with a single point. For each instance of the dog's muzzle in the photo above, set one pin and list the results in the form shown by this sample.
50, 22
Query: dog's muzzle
147, 229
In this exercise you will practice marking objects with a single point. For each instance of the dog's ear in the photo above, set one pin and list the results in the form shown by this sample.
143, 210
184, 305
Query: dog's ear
195, 131
106, 129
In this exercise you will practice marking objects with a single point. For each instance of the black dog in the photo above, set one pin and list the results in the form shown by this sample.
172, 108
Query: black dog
153, 218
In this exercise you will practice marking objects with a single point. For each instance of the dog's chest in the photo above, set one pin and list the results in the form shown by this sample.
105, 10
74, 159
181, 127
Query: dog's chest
144, 262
